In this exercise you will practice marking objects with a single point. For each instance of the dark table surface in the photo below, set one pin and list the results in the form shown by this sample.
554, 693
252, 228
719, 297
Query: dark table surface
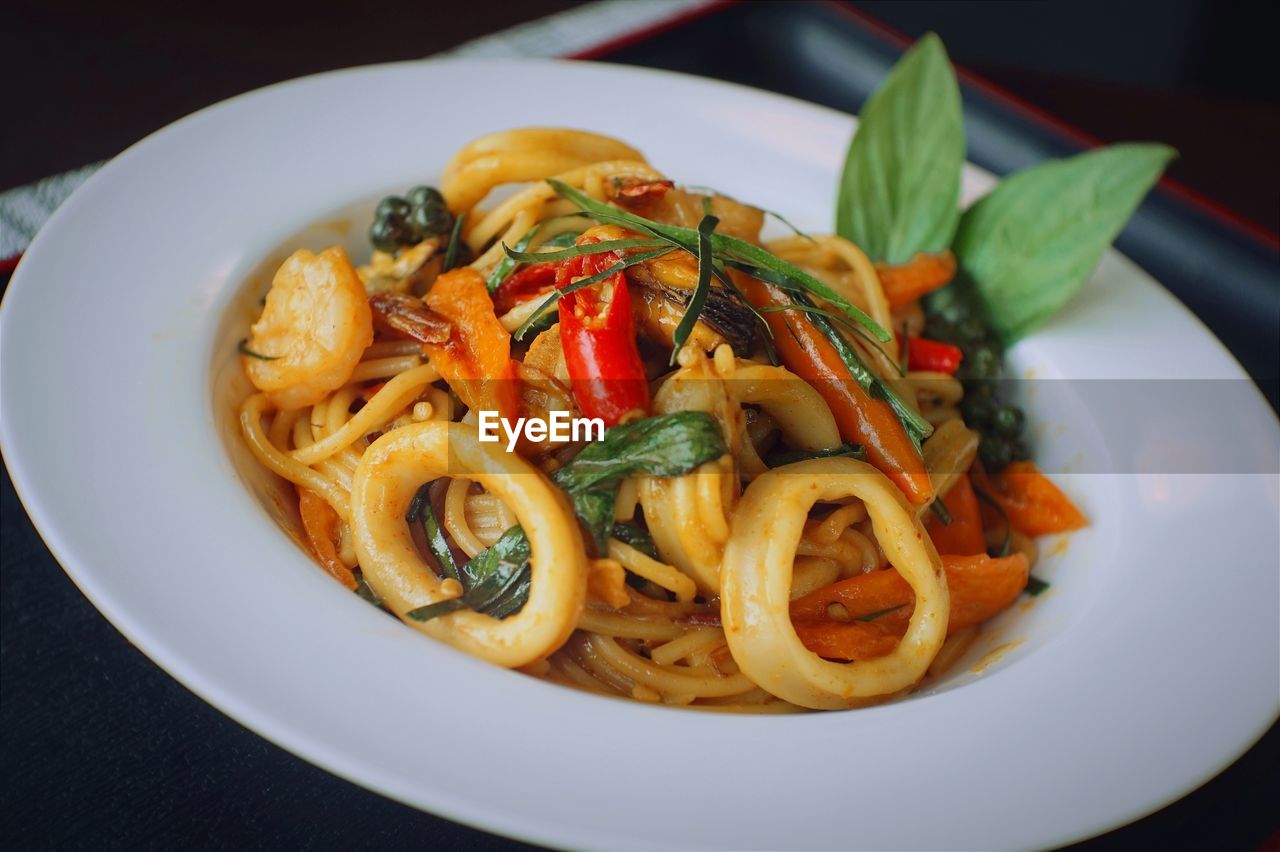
99, 747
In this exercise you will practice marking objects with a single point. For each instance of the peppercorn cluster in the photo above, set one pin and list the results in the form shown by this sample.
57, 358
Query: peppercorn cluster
999, 424
406, 221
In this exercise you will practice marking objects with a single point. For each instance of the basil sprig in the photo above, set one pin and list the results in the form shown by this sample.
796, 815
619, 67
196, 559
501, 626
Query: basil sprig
508, 264
1026, 248
725, 249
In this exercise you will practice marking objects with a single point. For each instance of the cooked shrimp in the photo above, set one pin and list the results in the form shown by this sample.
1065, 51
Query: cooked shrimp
314, 326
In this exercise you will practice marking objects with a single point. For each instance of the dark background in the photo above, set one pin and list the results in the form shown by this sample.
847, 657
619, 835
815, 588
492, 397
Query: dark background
100, 749
87, 79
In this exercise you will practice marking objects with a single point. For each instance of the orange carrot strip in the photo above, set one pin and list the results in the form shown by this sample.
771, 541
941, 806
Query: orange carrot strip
860, 419
861, 595
848, 640
476, 359
981, 587
922, 274
1033, 503
320, 523
963, 536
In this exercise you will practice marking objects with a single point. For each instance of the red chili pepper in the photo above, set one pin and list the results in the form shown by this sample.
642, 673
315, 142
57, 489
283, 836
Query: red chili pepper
932, 355
523, 284
598, 335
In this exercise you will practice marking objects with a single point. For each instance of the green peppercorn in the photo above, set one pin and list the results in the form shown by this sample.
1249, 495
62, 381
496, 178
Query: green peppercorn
937, 328
386, 234
995, 453
978, 409
393, 206
1008, 421
401, 221
984, 363
431, 219
971, 331
420, 196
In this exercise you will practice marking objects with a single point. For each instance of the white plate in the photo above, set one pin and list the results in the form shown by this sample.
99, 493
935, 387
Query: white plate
1150, 665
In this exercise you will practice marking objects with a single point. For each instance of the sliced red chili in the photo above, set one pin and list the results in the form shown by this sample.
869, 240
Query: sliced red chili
524, 284
598, 335
932, 355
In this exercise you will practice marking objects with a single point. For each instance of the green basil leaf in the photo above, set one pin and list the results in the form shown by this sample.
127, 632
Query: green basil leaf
420, 511
492, 580
900, 191
564, 238
666, 445
700, 292
872, 616
1035, 586
726, 247
856, 451
455, 243
1028, 246
523, 256
636, 536
508, 264
243, 348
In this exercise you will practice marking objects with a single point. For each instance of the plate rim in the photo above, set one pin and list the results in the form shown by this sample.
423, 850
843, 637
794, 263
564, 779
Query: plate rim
294, 740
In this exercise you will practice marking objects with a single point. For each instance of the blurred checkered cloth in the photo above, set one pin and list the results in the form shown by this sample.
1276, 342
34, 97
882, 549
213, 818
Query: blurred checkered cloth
24, 209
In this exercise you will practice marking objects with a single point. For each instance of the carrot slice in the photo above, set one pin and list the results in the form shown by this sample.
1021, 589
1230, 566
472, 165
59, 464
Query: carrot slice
1033, 503
321, 525
860, 418
476, 359
981, 587
851, 640
963, 536
861, 595
922, 274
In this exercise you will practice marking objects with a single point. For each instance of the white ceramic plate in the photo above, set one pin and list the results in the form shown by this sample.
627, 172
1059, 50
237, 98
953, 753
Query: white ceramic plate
1150, 665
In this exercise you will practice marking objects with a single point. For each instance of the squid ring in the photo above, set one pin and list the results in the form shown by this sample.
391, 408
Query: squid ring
390, 473
756, 583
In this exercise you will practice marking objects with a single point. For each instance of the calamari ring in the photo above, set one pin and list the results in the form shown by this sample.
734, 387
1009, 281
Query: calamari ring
390, 473
755, 581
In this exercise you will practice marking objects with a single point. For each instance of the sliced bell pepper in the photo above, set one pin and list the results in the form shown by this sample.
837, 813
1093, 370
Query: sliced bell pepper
524, 284
598, 336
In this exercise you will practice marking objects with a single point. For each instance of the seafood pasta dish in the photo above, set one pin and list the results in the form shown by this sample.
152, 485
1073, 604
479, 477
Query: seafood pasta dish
575, 419
763, 490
